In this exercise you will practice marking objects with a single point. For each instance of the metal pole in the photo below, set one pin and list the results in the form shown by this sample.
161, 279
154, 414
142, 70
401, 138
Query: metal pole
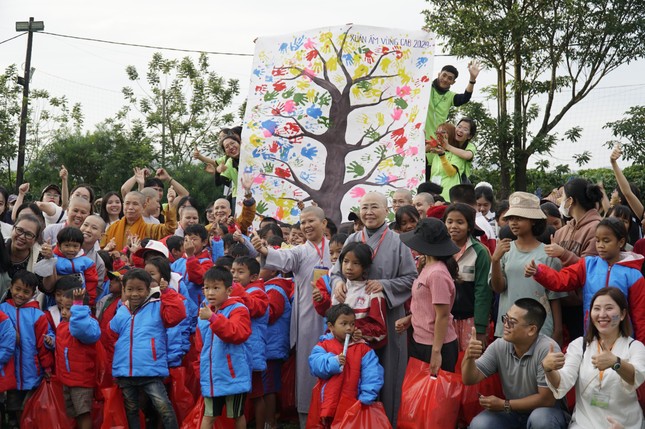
163, 128
22, 139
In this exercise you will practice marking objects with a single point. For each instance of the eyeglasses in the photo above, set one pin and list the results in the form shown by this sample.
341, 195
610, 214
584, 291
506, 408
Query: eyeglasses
52, 195
511, 323
27, 234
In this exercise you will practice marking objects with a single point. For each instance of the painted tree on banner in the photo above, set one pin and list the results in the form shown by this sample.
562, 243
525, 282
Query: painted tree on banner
336, 118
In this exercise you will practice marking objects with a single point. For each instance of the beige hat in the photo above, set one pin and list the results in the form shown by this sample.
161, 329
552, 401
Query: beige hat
523, 204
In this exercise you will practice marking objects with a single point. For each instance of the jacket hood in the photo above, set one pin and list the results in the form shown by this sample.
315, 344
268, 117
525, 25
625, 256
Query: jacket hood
285, 283
591, 216
631, 260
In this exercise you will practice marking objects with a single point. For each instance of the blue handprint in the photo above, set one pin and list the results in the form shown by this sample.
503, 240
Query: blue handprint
307, 177
283, 47
309, 151
349, 59
382, 179
421, 62
297, 43
314, 111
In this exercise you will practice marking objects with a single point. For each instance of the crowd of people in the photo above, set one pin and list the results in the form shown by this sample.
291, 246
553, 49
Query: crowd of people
548, 294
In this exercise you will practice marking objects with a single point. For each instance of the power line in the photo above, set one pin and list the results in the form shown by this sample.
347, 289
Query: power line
14, 37
137, 45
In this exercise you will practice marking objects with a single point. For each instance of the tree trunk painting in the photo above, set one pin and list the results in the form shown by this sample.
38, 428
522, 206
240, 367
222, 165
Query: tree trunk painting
333, 114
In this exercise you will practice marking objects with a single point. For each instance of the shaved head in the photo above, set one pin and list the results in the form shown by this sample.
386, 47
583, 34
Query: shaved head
316, 211
400, 198
373, 210
422, 202
138, 195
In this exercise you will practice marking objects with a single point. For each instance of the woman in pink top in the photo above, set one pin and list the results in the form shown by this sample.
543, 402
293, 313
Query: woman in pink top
434, 338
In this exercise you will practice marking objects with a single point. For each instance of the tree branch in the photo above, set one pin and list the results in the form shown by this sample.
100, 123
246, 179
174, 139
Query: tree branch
361, 180
379, 101
360, 79
305, 132
295, 180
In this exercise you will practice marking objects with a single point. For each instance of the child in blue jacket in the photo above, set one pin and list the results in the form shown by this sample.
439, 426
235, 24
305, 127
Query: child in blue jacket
138, 330
33, 356
225, 357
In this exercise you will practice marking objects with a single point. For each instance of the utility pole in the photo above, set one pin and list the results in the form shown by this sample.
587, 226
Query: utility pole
163, 128
30, 27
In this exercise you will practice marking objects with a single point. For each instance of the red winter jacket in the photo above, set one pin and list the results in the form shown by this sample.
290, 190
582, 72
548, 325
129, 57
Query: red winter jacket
276, 301
76, 348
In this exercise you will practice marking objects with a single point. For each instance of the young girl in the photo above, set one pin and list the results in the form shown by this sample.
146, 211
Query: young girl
355, 260
624, 214
486, 204
611, 267
111, 208
433, 294
527, 222
473, 296
406, 218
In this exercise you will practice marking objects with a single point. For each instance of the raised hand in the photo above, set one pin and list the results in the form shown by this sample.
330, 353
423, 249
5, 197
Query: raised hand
474, 67
475, 347
46, 250
162, 174
247, 181
553, 250
163, 284
205, 312
196, 154
63, 173
171, 195
616, 153
189, 247
553, 361
503, 246
24, 188
530, 269
78, 294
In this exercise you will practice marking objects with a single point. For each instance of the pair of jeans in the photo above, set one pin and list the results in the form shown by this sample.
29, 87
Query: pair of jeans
152, 387
540, 418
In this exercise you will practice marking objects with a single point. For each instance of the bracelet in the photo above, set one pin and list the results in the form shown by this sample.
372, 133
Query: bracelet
170, 181
472, 81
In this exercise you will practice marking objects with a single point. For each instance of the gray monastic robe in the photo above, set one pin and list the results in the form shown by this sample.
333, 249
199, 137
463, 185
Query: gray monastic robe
306, 324
394, 267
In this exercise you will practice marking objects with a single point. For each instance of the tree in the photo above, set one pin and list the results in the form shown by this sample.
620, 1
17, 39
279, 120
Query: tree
102, 158
48, 116
631, 128
539, 48
183, 106
342, 77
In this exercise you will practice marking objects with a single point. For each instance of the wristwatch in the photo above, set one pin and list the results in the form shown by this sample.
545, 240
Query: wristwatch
616, 366
507, 406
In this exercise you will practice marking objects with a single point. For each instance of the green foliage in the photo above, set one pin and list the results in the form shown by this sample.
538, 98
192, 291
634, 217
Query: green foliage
538, 48
199, 183
103, 158
184, 107
632, 129
10, 96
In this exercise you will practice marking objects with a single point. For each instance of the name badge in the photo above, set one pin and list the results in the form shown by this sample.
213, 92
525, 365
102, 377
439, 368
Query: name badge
320, 271
600, 399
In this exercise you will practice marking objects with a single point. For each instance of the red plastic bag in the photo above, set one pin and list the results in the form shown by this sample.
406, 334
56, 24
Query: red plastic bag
288, 379
429, 402
180, 397
46, 408
103, 369
114, 416
194, 418
360, 416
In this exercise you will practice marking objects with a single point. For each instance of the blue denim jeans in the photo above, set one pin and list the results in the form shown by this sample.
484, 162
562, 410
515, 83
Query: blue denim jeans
155, 390
540, 418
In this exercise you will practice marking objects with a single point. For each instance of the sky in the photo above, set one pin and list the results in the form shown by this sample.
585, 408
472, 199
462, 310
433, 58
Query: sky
94, 73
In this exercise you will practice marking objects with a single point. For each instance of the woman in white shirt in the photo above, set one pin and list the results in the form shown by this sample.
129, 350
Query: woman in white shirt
606, 367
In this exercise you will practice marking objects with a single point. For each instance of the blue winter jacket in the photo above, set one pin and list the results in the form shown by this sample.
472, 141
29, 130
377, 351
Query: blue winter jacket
278, 333
225, 355
32, 356
140, 349
179, 336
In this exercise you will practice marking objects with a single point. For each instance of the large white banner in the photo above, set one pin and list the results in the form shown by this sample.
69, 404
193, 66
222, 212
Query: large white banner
334, 113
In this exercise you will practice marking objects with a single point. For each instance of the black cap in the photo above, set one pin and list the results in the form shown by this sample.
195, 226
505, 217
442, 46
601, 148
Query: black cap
431, 238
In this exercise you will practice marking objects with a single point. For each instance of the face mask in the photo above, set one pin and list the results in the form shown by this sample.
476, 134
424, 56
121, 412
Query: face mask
564, 211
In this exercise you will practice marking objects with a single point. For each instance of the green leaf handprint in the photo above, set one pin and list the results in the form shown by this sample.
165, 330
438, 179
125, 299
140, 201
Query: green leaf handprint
261, 207
356, 169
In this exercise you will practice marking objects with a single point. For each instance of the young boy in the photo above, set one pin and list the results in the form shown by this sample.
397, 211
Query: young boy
225, 356
138, 331
342, 379
321, 293
70, 260
76, 337
197, 261
279, 290
33, 357
7, 349
250, 288
62, 293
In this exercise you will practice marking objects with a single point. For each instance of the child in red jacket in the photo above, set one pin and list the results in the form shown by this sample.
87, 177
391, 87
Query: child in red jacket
7, 348
76, 337
346, 374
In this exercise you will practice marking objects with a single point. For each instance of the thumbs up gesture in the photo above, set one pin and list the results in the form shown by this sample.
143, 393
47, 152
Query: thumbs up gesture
553, 361
553, 250
530, 269
46, 250
475, 347
205, 312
